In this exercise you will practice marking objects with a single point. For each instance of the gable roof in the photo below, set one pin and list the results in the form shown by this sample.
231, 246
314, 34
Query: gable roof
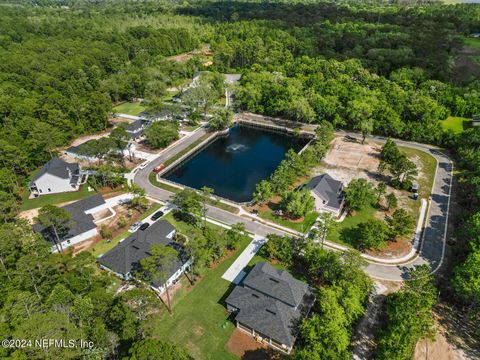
278, 284
328, 189
57, 167
80, 222
136, 126
126, 256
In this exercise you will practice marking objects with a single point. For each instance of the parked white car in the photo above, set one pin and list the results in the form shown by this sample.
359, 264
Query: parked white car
135, 226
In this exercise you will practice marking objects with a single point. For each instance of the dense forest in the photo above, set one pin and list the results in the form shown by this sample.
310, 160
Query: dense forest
377, 68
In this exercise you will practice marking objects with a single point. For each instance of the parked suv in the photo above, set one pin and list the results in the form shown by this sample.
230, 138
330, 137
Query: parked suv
157, 215
144, 226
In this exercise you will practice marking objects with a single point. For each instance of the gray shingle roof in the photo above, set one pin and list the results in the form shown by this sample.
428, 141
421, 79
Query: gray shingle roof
265, 315
264, 302
57, 167
136, 126
327, 189
79, 221
126, 256
278, 284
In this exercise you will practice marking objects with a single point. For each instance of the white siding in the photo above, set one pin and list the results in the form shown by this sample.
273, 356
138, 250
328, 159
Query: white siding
51, 184
76, 239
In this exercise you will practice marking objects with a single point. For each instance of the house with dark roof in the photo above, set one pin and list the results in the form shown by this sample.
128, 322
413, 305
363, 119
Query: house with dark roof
124, 259
57, 176
136, 128
269, 305
81, 225
328, 194
476, 120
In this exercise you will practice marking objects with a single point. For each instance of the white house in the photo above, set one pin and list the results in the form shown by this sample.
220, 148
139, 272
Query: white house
81, 225
57, 176
124, 259
328, 194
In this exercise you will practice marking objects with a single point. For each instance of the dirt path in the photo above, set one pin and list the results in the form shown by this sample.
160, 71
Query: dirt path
366, 331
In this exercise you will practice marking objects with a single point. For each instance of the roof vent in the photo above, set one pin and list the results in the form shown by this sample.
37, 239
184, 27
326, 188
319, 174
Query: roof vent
271, 312
255, 296
274, 280
136, 247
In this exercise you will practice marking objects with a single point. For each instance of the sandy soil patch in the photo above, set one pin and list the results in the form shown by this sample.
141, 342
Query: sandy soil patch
83, 139
29, 215
245, 347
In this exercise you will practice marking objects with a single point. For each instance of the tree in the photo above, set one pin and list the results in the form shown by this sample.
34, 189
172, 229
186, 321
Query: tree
263, 191
403, 171
139, 200
221, 120
206, 194
400, 223
121, 138
360, 112
297, 203
359, 194
324, 223
189, 204
381, 189
371, 234
392, 201
279, 248
235, 234
161, 133
157, 268
149, 349
57, 220
8, 206
409, 316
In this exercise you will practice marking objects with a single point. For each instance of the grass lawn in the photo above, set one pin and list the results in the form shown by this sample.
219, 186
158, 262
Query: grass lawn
335, 233
153, 179
298, 226
129, 108
456, 124
200, 321
472, 42
187, 149
103, 246
53, 199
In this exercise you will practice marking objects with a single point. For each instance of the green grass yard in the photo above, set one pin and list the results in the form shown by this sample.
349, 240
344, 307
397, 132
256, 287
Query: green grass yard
187, 149
350, 222
200, 321
472, 42
456, 124
129, 108
53, 199
301, 226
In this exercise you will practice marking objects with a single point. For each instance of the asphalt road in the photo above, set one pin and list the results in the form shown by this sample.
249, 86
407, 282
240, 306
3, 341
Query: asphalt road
433, 244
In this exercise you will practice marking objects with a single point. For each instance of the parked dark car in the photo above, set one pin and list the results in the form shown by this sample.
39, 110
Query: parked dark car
157, 215
144, 226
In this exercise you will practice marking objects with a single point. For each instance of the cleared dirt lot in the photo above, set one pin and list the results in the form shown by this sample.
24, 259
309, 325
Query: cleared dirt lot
348, 160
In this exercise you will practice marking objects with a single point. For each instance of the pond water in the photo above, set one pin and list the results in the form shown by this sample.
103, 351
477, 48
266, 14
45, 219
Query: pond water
232, 165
